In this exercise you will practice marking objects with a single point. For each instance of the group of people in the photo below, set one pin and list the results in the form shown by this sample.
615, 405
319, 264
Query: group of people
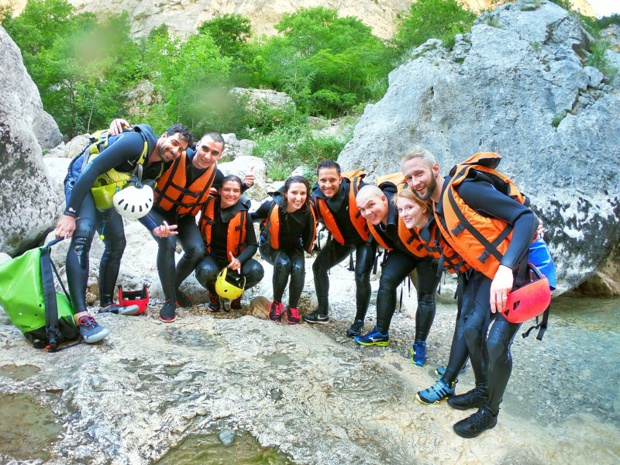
413, 222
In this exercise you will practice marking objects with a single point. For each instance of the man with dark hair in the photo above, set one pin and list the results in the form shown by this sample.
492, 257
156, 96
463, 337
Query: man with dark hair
179, 195
122, 154
334, 197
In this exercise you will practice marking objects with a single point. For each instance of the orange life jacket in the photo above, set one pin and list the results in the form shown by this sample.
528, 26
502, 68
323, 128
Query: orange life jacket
173, 194
438, 247
481, 241
410, 239
272, 225
235, 237
354, 214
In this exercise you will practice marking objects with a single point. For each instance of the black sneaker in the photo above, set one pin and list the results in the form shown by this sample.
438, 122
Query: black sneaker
356, 328
316, 317
183, 300
236, 304
168, 312
475, 398
214, 302
476, 424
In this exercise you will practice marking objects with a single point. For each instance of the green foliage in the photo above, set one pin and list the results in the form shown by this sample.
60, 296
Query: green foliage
185, 73
80, 67
325, 63
286, 148
432, 19
598, 60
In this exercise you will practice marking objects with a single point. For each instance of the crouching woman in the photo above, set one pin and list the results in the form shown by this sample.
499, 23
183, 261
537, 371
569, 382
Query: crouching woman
229, 241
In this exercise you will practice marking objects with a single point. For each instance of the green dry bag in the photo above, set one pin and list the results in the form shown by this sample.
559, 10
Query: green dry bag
29, 298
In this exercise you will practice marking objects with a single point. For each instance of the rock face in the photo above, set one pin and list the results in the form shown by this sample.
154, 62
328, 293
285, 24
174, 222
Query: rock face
29, 208
516, 85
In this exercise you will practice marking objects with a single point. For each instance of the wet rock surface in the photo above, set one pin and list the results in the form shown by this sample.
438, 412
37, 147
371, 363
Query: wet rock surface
314, 393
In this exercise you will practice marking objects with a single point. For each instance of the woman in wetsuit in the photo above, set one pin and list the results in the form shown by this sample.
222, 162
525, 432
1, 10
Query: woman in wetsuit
289, 229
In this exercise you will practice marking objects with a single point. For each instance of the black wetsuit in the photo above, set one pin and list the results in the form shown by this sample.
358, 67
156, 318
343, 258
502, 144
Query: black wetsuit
170, 275
334, 253
398, 264
296, 235
490, 355
122, 153
211, 265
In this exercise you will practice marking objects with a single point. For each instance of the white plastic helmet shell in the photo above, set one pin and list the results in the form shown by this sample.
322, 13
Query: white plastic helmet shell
134, 202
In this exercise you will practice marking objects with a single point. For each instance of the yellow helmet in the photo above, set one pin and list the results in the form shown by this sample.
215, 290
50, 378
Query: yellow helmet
229, 286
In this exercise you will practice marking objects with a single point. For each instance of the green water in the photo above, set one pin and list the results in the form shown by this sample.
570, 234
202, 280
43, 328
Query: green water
27, 429
591, 313
244, 450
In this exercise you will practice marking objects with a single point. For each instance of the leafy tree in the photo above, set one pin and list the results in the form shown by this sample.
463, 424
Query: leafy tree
432, 19
186, 74
327, 64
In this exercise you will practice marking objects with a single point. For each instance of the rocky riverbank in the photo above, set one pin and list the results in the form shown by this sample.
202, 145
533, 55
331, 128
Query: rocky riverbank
310, 390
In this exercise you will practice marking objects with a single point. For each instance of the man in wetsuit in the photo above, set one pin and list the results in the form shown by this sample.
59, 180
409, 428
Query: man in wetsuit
81, 217
404, 253
179, 195
484, 288
334, 197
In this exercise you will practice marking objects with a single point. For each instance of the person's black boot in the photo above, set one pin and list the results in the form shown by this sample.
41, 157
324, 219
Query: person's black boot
475, 398
476, 424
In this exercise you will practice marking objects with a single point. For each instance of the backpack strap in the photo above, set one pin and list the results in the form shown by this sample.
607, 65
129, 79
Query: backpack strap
49, 294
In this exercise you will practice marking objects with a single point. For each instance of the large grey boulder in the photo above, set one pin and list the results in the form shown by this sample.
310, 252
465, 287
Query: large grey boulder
516, 85
28, 202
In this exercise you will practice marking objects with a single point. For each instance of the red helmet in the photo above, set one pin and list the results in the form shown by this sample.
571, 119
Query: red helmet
530, 300
139, 298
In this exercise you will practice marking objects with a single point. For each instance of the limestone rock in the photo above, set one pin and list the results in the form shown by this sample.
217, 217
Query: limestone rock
28, 209
237, 148
270, 98
243, 165
516, 85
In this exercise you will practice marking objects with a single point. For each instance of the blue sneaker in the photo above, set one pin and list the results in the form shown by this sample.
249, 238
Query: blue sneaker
440, 371
90, 330
373, 338
418, 353
436, 393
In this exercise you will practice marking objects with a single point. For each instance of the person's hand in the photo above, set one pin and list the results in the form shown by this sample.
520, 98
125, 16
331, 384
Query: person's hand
234, 264
540, 231
65, 226
249, 178
117, 125
165, 230
500, 288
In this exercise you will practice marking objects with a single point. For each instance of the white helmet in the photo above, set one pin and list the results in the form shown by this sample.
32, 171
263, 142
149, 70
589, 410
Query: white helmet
134, 202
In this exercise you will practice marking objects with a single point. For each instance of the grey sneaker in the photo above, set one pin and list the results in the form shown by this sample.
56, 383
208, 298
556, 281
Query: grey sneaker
316, 317
90, 330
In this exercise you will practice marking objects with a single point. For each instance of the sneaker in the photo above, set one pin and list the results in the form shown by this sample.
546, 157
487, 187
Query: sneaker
214, 302
475, 398
183, 300
356, 328
316, 317
120, 310
476, 424
418, 353
373, 338
168, 312
440, 371
236, 304
292, 316
436, 393
275, 311
90, 330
